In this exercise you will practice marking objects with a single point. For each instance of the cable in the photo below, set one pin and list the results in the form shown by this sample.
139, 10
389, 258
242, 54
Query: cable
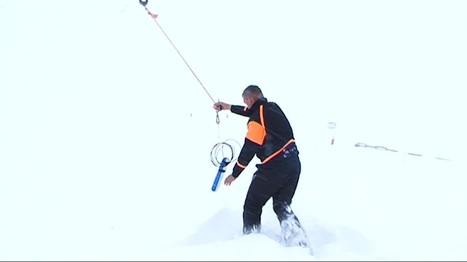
223, 150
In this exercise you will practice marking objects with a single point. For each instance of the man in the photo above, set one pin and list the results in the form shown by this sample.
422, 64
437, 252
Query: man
271, 139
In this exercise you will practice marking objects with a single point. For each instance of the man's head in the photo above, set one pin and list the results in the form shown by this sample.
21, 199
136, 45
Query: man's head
251, 94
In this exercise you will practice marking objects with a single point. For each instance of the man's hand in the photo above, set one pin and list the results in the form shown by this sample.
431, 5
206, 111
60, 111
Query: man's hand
221, 106
228, 180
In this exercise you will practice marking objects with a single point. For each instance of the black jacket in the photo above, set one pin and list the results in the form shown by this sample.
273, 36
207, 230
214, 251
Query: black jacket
270, 136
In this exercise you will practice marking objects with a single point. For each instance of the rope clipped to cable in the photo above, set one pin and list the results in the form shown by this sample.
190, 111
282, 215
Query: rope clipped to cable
222, 153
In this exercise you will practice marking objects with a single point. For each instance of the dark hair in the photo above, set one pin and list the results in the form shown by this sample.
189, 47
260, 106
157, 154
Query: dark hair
252, 91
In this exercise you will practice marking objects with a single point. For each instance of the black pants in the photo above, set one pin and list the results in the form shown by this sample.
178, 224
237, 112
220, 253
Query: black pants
278, 181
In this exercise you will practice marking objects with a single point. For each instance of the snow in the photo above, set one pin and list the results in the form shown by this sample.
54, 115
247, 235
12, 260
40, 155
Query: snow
105, 135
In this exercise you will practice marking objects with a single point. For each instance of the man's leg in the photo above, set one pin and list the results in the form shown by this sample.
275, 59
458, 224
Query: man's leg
292, 230
259, 193
293, 233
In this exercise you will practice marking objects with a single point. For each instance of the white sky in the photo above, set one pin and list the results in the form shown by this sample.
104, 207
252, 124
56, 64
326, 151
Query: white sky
105, 134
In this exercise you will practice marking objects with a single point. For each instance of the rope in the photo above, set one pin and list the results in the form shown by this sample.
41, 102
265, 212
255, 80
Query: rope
154, 17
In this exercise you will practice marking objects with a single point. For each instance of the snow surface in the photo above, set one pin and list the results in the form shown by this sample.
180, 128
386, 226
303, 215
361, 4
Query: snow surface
105, 135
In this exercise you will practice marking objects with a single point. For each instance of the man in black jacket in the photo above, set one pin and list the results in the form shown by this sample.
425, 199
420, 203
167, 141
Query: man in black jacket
271, 139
